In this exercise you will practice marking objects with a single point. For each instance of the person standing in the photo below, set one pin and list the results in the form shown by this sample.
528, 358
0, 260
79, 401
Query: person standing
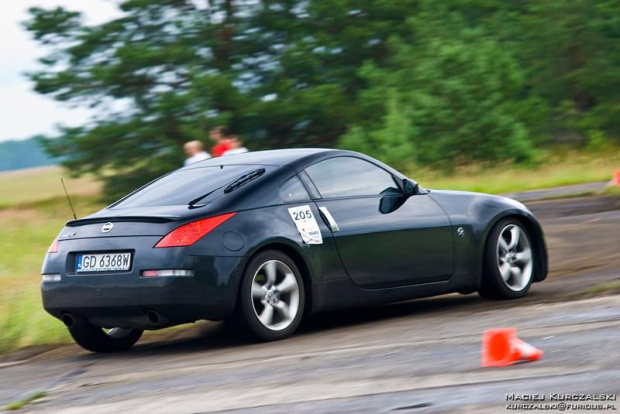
235, 146
218, 136
195, 152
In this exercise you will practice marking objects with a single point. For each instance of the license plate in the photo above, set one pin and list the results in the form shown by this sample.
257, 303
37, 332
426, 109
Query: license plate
103, 262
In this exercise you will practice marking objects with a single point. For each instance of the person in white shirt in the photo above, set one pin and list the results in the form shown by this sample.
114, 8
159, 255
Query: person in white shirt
195, 152
235, 146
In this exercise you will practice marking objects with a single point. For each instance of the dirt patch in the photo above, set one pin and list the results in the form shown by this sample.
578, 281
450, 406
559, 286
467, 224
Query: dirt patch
29, 172
26, 215
546, 209
582, 234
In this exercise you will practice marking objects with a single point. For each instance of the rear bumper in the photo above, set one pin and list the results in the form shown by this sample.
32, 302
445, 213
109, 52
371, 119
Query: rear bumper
123, 299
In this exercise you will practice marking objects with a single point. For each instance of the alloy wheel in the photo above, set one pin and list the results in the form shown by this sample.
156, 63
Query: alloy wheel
275, 295
514, 257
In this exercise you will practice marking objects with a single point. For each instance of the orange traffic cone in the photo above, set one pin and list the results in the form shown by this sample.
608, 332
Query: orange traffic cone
616, 179
501, 347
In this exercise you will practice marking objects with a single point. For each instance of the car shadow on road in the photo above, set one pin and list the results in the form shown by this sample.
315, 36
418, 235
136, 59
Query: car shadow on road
211, 336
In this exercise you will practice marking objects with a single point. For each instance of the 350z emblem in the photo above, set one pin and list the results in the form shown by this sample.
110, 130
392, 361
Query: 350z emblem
460, 231
107, 227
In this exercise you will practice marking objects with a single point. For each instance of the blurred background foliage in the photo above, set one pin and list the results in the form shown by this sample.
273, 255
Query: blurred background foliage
416, 83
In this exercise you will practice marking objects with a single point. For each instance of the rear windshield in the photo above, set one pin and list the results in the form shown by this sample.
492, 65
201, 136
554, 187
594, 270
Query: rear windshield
183, 186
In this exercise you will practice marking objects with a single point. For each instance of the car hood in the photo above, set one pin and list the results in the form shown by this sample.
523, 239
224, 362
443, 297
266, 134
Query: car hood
458, 202
479, 196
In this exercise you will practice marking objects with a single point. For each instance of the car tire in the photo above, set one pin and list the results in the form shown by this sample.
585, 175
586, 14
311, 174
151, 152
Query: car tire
271, 299
509, 261
96, 339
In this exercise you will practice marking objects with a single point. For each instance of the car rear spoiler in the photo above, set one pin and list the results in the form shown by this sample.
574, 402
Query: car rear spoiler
139, 219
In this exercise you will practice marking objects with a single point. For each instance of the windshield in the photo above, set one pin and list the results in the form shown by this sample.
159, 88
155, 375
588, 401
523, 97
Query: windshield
185, 185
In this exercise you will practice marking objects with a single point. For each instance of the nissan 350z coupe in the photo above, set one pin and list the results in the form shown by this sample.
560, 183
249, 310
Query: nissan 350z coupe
264, 238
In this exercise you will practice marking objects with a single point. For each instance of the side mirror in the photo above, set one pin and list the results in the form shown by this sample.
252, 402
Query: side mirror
410, 187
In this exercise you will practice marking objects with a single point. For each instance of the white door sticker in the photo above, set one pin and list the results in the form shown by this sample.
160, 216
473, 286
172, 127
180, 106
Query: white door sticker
306, 224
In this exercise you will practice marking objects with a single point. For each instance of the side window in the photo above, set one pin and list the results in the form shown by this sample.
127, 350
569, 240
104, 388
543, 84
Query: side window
293, 190
348, 176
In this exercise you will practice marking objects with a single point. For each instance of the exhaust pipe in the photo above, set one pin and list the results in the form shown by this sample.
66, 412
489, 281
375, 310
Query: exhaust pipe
155, 317
68, 320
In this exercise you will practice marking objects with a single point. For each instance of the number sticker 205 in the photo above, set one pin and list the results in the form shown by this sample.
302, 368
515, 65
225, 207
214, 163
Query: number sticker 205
306, 224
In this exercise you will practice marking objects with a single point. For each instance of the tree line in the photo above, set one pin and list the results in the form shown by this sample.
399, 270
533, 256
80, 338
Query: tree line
412, 82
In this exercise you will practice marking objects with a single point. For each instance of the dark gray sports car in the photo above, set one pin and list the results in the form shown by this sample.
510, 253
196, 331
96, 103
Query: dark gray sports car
264, 238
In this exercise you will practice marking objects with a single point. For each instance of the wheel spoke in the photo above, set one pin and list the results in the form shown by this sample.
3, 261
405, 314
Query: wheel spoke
516, 276
504, 269
288, 284
266, 316
258, 291
502, 244
524, 257
515, 233
283, 310
270, 273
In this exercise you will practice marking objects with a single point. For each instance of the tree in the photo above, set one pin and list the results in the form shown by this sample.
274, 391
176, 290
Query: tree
572, 55
281, 72
409, 81
460, 88
393, 142
158, 76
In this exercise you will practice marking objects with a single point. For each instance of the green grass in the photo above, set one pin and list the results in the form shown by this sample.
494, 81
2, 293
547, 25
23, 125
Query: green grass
26, 186
17, 405
610, 288
27, 231
566, 168
612, 191
33, 209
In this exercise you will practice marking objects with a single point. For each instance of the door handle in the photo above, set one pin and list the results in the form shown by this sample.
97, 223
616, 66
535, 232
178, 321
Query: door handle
329, 219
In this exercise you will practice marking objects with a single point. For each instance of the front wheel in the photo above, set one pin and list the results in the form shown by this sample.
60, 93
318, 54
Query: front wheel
96, 339
272, 297
508, 267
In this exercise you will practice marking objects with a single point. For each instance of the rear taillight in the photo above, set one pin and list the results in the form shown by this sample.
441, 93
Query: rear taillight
190, 233
53, 247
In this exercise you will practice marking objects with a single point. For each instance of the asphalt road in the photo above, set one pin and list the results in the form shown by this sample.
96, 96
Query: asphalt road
420, 356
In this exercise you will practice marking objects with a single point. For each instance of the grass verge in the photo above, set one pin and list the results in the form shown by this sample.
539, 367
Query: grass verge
27, 231
604, 289
18, 405
33, 184
556, 170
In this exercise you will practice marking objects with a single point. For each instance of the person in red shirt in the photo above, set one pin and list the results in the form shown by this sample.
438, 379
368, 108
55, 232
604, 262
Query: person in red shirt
218, 136
235, 145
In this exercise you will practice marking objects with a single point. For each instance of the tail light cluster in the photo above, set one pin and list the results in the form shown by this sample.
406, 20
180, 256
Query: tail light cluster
190, 233
53, 247
184, 235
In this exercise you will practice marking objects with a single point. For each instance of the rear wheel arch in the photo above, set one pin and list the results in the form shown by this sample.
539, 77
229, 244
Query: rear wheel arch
296, 257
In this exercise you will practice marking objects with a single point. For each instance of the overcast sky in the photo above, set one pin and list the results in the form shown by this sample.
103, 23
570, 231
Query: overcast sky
23, 113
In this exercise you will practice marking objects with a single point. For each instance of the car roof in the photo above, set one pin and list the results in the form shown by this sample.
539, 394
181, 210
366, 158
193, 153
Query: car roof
296, 159
278, 157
